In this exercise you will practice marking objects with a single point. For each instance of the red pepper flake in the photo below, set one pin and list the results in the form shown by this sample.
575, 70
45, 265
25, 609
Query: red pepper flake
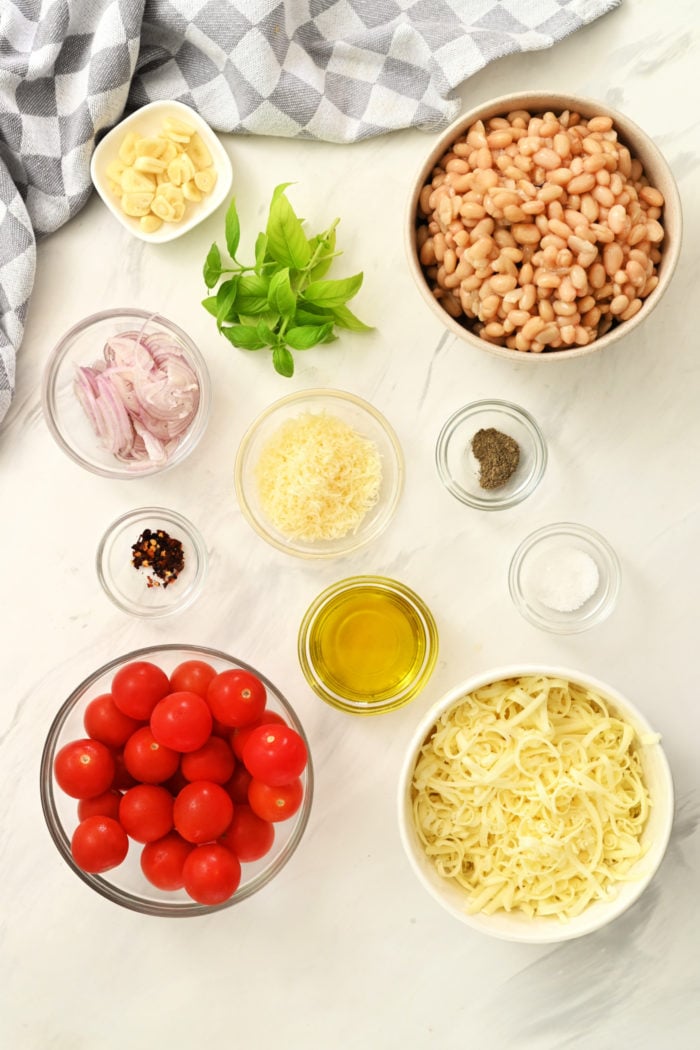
161, 553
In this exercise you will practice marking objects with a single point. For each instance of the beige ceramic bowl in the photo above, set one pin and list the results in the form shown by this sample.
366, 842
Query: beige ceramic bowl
640, 145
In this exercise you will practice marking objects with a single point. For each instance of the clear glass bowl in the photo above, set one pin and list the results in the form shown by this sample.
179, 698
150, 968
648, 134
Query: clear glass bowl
562, 565
126, 885
138, 590
367, 422
459, 470
516, 926
368, 644
83, 345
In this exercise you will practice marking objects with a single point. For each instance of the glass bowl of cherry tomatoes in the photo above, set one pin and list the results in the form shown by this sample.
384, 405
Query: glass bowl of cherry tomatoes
176, 780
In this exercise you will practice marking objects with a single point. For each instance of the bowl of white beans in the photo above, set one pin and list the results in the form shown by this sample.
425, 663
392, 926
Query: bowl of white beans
543, 226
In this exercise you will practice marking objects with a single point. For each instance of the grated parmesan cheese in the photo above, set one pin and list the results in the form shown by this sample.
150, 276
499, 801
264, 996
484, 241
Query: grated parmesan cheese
317, 477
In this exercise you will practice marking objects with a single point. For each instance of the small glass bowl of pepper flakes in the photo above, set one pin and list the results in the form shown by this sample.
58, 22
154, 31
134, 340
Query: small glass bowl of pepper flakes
151, 562
491, 455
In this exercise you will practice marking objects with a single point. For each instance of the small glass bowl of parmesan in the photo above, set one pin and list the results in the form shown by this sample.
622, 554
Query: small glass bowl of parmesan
319, 473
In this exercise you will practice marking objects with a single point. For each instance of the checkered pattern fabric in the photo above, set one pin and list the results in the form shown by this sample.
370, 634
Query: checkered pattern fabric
339, 70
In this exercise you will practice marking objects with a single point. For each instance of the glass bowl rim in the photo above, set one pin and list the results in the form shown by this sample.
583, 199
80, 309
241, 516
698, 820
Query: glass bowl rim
244, 449
603, 547
187, 528
430, 633
57, 357
512, 411
124, 898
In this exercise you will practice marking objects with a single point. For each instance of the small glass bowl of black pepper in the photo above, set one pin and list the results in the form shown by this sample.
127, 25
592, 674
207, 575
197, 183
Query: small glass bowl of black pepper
491, 455
151, 562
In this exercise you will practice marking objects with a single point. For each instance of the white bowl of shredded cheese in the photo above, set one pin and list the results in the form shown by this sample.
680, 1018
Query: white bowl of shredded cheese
319, 473
535, 804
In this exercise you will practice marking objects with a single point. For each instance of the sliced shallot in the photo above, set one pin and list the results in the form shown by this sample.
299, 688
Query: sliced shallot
142, 398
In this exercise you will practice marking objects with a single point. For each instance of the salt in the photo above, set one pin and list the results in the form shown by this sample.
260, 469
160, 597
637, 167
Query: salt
565, 579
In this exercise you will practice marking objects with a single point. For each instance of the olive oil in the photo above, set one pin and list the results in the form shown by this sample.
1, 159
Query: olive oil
368, 644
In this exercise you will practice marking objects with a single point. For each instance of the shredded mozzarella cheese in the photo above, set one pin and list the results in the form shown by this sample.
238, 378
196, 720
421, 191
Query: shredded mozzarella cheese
318, 478
530, 794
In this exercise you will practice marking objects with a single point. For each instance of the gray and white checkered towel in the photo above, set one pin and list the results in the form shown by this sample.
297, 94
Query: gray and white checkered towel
339, 70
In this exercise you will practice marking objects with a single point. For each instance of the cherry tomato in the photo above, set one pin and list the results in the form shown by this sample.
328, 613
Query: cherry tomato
98, 844
237, 786
123, 779
177, 781
236, 697
84, 768
146, 812
162, 861
211, 874
137, 687
147, 760
104, 721
105, 805
202, 811
238, 737
214, 761
192, 676
248, 835
275, 803
275, 754
181, 721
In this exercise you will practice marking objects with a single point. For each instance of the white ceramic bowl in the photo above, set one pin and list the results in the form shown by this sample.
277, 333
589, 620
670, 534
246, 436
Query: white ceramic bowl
518, 927
145, 122
641, 146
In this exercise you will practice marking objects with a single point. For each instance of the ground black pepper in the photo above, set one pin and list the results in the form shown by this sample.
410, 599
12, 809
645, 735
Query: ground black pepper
161, 553
498, 455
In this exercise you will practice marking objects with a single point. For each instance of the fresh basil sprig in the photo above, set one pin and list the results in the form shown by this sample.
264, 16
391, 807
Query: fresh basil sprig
283, 300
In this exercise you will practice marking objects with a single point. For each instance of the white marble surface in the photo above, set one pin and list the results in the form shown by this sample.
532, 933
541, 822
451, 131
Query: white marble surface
345, 949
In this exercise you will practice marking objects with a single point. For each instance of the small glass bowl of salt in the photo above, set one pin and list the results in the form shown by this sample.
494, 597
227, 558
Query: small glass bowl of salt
564, 578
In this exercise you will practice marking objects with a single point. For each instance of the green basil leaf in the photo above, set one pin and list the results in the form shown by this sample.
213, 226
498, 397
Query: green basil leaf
266, 332
279, 190
254, 284
308, 335
327, 244
210, 304
252, 294
345, 318
285, 237
260, 252
333, 293
233, 229
280, 294
212, 266
225, 299
244, 336
283, 361
306, 315
251, 305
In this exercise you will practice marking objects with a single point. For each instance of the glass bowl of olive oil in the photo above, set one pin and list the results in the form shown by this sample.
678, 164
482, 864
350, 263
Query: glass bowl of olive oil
368, 644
